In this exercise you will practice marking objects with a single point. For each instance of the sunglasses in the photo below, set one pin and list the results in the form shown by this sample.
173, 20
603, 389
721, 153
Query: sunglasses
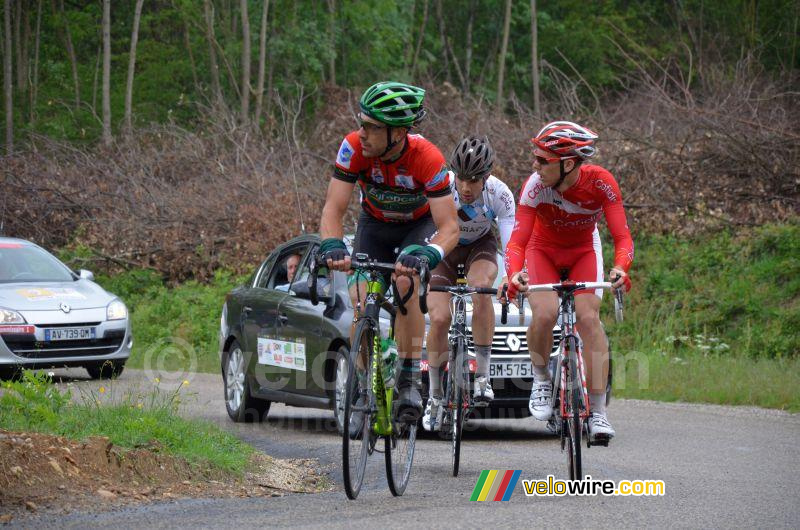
369, 127
542, 161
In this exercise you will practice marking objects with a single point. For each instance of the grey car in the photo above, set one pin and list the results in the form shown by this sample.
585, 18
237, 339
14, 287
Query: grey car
51, 316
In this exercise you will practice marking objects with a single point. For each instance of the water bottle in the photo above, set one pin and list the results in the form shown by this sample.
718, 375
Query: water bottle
389, 356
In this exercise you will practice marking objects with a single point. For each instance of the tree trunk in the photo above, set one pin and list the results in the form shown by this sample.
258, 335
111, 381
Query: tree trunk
537, 109
501, 62
419, 38
332, 40
106, 72
443, 37
7, 70
18, 45
96, 77
262, 61
468, 59
448, 50
73, 61
137, 15
212, 54
245, 64
409, 42
35, 72
188, 45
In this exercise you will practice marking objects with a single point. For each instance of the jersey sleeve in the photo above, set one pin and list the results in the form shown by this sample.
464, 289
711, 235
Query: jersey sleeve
525, 218
432, 172
349, 160
617, 222
504, 208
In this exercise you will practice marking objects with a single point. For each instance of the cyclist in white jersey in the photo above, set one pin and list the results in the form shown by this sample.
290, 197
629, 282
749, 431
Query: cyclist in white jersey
482, 200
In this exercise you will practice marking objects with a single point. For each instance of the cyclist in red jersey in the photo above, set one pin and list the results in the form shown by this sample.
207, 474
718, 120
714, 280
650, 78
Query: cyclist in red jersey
558, 210
406, 205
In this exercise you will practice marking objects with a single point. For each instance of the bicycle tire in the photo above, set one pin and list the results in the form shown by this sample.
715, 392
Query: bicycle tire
574, 422
399, 456
461, 387
355, 450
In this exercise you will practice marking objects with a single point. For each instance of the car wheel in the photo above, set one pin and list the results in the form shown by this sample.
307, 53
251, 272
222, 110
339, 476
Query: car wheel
339, 385
242, 407
105, 369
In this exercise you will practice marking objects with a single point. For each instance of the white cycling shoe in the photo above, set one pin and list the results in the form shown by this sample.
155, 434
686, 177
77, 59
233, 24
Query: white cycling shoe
539, 404
482, 391
599, 428
432, 418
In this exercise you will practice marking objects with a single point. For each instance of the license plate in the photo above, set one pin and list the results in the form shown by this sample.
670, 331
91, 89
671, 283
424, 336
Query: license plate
511, 369
56, 334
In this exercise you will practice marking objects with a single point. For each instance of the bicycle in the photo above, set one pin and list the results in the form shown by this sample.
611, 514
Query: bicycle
570, 398
365, 388
459, 401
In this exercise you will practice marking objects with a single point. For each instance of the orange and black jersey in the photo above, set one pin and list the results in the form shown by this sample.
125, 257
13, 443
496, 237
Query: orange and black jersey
395, 191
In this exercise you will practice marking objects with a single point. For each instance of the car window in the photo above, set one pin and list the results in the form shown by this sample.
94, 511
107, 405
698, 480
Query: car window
287, 268
28, 263
262, 275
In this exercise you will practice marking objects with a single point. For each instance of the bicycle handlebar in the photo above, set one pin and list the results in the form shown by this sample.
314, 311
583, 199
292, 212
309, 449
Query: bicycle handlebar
464, 290
374, 265
571, 287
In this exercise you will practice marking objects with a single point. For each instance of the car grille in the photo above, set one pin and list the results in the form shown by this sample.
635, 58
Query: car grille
504, 347
26, 346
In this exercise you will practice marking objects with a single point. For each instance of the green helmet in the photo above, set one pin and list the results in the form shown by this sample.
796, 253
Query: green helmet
395, 104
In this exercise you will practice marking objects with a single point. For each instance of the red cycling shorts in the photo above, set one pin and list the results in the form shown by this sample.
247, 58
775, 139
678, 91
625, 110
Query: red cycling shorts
585, 264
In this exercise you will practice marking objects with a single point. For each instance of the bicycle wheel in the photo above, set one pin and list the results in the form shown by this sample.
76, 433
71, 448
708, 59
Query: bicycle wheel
358, 401
574, 423
460, 401
399, 453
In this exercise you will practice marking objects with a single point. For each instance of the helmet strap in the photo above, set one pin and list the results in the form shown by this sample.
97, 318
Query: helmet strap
562, 173
391, 145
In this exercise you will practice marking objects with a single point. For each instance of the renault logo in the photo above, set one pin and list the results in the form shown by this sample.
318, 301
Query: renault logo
65, 307
513, 342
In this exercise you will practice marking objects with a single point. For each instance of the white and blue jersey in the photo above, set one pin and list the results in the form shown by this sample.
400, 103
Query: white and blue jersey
495, 204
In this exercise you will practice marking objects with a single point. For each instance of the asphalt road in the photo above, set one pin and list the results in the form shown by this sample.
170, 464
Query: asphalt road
722, 467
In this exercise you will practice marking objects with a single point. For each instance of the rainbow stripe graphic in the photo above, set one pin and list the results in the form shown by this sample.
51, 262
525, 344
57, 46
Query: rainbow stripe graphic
495, 485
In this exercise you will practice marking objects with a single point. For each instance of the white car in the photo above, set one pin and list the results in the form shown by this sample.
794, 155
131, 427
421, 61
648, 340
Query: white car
51, 316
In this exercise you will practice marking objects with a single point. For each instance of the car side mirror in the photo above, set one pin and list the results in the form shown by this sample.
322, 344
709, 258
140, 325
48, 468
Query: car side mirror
86, 275
302, 289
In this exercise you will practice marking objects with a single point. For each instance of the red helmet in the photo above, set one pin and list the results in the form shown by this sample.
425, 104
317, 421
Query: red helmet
566, 139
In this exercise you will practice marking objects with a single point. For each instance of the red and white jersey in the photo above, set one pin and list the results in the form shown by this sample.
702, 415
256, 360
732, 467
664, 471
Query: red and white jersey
548, 218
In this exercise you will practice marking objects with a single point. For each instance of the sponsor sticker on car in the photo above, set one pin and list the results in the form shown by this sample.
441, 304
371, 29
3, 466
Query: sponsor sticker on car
281, 353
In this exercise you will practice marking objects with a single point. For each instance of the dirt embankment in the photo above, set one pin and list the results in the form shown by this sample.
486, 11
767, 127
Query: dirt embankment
40, 472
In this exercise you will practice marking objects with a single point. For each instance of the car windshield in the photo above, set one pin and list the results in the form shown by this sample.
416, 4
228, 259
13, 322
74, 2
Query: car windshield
27, 263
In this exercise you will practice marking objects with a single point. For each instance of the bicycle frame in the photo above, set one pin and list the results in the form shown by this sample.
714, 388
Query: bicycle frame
563, 380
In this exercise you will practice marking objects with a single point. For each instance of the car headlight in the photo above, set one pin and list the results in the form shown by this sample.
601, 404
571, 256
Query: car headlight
8, 316
116, 310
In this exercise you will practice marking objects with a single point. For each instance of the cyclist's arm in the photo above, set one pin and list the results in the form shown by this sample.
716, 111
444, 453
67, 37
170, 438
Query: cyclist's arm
504, 206
336, 201
443, 210
614, 213
515, 250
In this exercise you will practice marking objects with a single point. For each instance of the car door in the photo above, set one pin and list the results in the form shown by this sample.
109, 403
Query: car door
275, 359
299, 328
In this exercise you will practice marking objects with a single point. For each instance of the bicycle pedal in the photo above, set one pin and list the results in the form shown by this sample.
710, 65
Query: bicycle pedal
482, 402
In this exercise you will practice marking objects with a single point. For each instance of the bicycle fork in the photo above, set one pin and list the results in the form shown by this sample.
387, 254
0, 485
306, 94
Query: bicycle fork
383, 395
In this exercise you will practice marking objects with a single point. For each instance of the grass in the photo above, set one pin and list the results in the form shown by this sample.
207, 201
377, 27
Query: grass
726, 306
134, 420
715, 319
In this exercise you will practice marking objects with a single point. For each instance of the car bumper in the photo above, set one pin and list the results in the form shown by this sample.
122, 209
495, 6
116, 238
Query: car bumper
27, 346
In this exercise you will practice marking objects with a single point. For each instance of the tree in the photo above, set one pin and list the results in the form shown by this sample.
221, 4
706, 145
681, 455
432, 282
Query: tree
137, 15
537, 109
67, 36
419, 38
245, 63
262, 56
106, 25
35, 73
501, 67
7, 88
212, 54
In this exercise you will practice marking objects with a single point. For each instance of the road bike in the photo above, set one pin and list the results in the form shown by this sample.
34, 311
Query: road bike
368, 415
570, 398
458, 400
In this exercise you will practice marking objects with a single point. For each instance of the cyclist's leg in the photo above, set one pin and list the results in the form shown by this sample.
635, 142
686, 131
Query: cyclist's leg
439, 315
481, 266
589, 267
410, 328
544, 306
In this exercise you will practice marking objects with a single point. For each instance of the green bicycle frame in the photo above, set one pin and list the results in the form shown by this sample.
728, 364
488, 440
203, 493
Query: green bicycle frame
383, 396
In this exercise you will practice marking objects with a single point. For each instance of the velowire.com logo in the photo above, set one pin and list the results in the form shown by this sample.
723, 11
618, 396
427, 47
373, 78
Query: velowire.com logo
495, 485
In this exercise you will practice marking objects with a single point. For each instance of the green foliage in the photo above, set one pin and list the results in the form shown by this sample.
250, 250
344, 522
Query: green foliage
174, 328
134, 420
